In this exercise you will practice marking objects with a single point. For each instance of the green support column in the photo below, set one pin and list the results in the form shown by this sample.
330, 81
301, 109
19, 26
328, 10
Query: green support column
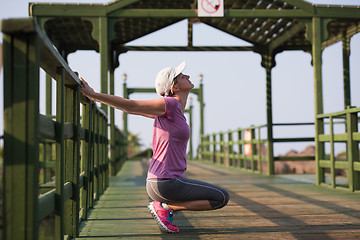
268, 62
317, 33
201, 100
104, 57
190, 154
21, 130
112, 126
346, 69
125, 115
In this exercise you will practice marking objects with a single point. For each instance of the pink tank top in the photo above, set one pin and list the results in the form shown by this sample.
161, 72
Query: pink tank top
170, 136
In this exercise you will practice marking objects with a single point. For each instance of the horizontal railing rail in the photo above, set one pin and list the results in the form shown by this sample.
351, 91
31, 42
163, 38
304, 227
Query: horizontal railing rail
71, 147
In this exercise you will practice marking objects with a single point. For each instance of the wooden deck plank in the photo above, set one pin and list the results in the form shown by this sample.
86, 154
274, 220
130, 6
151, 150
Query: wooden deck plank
260, 207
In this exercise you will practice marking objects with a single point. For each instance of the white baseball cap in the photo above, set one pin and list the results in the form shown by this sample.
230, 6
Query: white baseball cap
165, 78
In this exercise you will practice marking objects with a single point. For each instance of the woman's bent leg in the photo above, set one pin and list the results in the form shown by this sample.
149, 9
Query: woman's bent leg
187, 194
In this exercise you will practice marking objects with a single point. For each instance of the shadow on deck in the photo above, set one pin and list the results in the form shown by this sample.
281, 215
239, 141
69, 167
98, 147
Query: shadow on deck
260, 207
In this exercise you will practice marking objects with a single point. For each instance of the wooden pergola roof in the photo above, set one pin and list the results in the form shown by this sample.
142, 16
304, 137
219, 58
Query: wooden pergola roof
272, 24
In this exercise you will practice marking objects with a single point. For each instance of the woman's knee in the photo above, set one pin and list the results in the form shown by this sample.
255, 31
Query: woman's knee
222, 201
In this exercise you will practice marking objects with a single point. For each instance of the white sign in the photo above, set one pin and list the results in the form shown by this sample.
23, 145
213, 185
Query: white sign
210, 8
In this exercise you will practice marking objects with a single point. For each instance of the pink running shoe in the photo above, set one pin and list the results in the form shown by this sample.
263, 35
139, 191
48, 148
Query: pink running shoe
163, 217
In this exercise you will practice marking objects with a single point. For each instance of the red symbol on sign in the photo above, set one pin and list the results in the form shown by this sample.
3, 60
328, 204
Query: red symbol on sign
210, 6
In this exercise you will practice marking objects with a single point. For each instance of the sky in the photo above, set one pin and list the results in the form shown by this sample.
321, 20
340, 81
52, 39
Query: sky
234, 82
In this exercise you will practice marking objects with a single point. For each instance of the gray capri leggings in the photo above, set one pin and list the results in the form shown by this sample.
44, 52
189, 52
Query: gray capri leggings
184, 189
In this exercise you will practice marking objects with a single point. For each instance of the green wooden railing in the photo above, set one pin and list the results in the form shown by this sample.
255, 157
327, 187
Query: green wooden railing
228, 148
351, 137
74, 144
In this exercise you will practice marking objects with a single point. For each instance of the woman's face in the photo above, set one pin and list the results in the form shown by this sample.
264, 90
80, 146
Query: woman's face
184, 83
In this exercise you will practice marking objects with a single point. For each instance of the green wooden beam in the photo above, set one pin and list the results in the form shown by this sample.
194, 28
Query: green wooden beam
115, 5
303, 5
192, 13
338, 12
188, 48
85, 10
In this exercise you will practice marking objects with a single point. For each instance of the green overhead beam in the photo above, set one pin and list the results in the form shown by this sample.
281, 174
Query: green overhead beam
98, 10
184, 49
303, 5
119, 4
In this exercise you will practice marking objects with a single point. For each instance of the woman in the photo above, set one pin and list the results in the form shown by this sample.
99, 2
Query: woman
165, 183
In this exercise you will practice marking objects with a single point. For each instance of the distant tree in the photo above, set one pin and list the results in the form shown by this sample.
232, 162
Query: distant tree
133, 143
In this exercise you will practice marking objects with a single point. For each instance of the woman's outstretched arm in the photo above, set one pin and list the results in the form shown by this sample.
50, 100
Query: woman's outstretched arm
147, 108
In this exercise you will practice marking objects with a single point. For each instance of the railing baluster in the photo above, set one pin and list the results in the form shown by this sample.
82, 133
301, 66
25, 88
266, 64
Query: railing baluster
60, 155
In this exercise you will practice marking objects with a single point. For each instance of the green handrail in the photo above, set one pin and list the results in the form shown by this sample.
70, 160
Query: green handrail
78, 141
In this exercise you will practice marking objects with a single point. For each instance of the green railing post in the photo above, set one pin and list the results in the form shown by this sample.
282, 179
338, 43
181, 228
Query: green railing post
240, 146
230, 149
332, 158
214, 155
253, 150
222, 152
259, 151
60, 155
85, 158
72, 160
352, 150
96, 156
48, 146
21, 148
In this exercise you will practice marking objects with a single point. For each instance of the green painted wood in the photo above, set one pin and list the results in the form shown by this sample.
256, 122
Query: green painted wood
352, 151
112, 126
201, 101
319, 125
85, 159
21, 152
260, 207
268, 63
125, 115
92, 148
332, 154
60, 155
69, 160
104, 57
47, 146
214, 148
346, 69
46, 204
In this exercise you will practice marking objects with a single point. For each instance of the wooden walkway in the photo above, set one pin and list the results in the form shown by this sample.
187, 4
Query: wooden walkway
260, 207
